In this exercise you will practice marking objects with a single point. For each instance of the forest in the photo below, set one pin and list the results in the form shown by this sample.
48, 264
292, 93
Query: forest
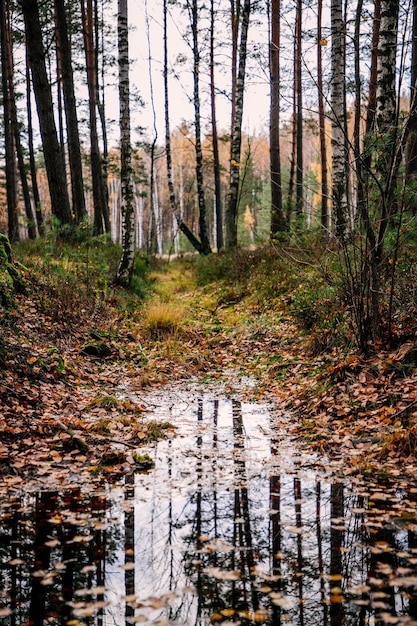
208, 353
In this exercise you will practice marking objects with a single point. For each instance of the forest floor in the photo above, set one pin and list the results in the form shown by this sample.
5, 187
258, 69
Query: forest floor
74, 381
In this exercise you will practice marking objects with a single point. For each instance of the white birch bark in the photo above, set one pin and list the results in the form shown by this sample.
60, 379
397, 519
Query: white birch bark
125, 270
338, 119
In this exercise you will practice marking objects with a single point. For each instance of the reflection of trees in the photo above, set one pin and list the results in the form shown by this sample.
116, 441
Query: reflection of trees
49, 550
225, 578
45, 505
337, 530
129, 544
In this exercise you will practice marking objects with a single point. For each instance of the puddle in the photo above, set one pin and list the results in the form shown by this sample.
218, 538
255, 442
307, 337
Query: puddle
235, 525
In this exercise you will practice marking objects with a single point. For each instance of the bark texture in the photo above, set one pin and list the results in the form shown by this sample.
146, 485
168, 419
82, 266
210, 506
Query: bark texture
278, 222
231, 216
74, 150
338, 117
60, 202
125, 270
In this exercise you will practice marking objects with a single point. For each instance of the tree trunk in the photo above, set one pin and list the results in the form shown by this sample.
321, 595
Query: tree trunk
202, 212
11, 185
32, 161
74, 149
125, 270
236, 139
299, 98
31, 225
215, 140
278, 223
101, 222
60, 202
386, 95
411, 156
172, 197
339, 156
322, 121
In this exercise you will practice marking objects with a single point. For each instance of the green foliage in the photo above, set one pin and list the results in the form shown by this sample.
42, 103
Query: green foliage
74, 277
12, 275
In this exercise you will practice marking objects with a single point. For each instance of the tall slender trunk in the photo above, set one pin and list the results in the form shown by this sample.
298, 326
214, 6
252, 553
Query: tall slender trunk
60, 202
299, 91
31, 224
11, 185
74, 149
231, 217
125, 270
32, 161
339, 156
322, 121
278, 222
202, 211
215, 139
101, 222
101, 107
172, 196
411, 156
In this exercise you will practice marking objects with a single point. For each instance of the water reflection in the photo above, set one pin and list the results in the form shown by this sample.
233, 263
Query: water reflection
233, 526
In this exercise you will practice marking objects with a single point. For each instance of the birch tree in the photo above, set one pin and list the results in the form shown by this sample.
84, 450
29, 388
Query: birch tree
178, 214
202, 212
338, 119
125, 270
231, 215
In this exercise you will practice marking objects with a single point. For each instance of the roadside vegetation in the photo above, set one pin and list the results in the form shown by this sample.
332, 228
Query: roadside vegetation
78, 354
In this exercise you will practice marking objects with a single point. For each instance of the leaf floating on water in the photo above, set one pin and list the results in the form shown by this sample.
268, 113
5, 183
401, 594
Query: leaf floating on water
404, 581
255, 616
282, 602
92, 591
127, 566
387, 618
227, 612
15, 562
337, 599
295, 530
216, 617
221, 574
52, 543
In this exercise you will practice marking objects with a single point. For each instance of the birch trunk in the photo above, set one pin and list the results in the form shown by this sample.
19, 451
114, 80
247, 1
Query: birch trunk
216, 158
231, 217
338, 118
322, 121
202, 211
125, 270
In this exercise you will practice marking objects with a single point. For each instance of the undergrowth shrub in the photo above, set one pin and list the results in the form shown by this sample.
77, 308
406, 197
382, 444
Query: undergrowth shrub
74, 279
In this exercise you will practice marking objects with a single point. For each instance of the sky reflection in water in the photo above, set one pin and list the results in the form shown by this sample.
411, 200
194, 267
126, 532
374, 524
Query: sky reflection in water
233, 526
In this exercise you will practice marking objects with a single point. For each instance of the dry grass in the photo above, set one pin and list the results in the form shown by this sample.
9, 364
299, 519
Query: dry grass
162, 319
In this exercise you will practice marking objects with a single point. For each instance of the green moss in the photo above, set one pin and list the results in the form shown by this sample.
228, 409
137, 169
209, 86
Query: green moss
12, 275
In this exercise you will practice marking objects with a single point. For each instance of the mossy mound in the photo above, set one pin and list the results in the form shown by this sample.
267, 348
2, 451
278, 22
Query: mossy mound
12, 275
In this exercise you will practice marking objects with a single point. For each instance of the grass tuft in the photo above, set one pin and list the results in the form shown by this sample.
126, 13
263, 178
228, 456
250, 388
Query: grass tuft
162, 320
